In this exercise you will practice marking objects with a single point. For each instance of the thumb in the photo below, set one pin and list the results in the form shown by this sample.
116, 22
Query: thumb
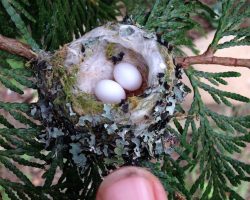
131, 183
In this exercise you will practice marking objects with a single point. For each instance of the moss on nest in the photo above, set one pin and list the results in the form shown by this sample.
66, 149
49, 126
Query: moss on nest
82, 103
110, 50
66, 77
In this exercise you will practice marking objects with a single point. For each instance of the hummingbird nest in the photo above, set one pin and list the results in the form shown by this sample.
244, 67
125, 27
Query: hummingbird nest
77, 123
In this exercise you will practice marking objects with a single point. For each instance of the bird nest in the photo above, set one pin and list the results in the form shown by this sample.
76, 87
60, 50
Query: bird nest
125, 132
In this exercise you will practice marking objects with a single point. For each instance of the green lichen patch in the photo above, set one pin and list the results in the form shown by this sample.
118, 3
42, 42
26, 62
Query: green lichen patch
83, 104
110, 50
170, 72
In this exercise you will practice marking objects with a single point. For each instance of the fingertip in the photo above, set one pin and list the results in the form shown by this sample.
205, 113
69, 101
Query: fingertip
131, 183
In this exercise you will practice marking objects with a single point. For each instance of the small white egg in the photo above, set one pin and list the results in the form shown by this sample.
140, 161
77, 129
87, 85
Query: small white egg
109, 91
128, 76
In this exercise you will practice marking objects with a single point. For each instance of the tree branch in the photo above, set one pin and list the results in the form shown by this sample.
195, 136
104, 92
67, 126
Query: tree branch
204, 59
208, 58
16, 47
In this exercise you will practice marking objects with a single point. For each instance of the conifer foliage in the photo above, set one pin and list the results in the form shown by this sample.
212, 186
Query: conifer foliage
214, 138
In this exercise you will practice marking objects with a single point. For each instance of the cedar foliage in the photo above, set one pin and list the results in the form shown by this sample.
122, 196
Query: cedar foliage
46, 25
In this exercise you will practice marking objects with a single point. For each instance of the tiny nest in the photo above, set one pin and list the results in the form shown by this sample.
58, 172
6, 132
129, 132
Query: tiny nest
124, 133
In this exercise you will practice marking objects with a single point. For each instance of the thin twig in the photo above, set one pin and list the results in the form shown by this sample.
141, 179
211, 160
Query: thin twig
16, 47
208, 58
203, 59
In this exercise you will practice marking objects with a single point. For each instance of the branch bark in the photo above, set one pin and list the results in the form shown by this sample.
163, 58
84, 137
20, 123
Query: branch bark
204, 59
16, 47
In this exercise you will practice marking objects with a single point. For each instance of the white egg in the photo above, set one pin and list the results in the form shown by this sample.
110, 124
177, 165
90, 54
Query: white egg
109, 91
128, 76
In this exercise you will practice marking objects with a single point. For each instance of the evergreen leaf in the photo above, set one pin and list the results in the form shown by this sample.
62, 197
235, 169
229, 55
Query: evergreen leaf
230, 95
21, 9
172, 19
209, 145
52, 29
215, 98
19, 23
11, 194
232, 16
8, 84
21, 118
220, 80
5, 122
25, 162
24, 107
50, 173
15, 170
225, 101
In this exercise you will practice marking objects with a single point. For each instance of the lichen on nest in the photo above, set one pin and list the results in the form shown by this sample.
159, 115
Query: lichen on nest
133, 130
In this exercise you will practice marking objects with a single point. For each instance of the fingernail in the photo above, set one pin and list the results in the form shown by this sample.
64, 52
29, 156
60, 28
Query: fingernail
131, 188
